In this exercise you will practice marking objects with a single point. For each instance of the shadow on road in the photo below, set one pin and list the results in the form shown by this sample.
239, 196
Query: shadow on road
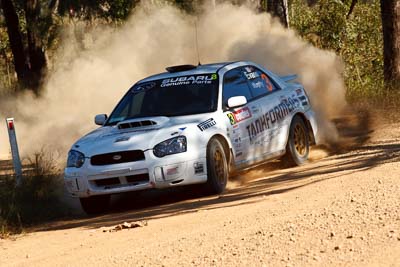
265, 181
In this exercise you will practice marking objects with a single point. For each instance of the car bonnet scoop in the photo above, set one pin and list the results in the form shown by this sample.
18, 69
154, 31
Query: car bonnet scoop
143, 123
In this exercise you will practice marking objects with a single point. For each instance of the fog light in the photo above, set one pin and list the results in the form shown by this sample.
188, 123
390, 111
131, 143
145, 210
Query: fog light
172, 171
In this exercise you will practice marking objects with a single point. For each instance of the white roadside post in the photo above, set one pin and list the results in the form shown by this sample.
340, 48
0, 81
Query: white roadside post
14, 150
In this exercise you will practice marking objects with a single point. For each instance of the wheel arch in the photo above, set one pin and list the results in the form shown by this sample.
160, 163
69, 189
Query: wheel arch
311, 136
225, 143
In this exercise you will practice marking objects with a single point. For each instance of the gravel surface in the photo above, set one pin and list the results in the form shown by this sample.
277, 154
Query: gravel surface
341, 209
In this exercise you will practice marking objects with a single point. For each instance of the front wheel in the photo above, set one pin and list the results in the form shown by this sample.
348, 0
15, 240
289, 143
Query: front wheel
95, 204
217, 167
298, 145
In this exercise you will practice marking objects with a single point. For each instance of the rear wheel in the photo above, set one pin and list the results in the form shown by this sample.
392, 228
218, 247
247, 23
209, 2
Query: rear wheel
95, 204
298, 145
217, 167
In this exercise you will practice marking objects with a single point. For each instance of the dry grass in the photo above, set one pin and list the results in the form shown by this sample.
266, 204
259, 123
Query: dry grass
37, 199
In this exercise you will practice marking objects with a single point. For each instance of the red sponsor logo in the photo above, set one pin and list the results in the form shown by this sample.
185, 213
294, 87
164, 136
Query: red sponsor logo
242, 114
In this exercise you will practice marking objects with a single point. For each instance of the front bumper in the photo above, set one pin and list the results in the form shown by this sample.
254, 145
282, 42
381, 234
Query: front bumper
169, 171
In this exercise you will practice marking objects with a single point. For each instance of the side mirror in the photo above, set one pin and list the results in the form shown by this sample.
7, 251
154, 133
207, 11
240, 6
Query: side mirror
236, 101
100, 119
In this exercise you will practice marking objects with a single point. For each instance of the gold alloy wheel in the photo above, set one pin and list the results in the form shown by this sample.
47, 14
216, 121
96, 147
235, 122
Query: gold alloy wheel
300, 141
219, 166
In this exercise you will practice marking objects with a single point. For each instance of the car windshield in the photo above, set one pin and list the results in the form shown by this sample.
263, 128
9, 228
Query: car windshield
177, 96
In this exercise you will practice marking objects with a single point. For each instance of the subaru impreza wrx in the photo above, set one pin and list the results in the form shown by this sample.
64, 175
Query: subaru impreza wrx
192, 125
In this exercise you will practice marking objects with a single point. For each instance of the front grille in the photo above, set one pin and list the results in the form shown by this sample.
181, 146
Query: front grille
117, 157
114, 182
138, 178
109, 181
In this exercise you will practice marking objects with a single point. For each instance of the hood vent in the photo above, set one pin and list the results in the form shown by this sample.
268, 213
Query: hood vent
136, 124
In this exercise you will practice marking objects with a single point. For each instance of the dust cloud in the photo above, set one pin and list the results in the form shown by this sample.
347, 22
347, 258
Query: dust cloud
95, 66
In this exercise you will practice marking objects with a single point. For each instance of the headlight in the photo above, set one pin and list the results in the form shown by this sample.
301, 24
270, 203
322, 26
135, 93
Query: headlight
170, 146
75, 159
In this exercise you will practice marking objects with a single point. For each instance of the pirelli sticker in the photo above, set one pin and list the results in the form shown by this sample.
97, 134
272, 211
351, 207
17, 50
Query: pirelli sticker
207, 124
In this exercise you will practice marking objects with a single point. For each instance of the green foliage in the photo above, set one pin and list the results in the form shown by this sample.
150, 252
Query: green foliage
115, 10
357, 39
7, 78
363, 53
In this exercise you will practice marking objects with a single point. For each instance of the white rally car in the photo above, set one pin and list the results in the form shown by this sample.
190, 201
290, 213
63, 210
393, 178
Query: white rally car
191, 125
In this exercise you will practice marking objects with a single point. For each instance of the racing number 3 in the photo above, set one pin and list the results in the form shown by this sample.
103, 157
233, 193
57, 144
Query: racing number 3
231, 118
267, 81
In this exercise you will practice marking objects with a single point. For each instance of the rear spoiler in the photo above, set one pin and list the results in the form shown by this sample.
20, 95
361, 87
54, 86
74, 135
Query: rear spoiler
289, 78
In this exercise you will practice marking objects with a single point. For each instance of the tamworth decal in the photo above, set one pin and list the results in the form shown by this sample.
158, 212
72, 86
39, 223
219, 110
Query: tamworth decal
186, 80
274, 115
207, 124
239, 115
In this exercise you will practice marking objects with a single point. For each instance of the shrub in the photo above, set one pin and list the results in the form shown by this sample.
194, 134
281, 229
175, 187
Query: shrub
37, 199
357, 39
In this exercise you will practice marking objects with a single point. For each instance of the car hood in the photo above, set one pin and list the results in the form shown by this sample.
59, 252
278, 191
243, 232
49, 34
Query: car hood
136, 134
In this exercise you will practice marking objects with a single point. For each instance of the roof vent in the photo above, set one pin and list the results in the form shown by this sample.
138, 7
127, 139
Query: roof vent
179, 68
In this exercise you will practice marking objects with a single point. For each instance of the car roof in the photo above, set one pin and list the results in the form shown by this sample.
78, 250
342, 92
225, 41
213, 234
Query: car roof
200, 69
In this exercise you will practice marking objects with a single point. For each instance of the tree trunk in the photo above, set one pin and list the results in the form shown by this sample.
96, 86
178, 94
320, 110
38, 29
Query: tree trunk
352, 5
279, 8
37, 58
390, 12
16, 44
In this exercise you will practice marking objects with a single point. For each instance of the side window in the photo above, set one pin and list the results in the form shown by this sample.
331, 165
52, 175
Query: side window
235, 84
259, 82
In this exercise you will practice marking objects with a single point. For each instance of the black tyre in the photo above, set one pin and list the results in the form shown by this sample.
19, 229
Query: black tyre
217, 167
95, 204
298, 144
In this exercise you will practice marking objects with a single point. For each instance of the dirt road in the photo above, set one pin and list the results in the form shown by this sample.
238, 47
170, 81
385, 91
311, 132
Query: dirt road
341, 209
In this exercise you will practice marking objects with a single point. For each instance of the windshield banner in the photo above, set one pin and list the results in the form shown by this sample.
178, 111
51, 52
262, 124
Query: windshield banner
187, 80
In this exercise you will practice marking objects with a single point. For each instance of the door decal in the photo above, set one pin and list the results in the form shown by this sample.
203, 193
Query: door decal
239, 115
